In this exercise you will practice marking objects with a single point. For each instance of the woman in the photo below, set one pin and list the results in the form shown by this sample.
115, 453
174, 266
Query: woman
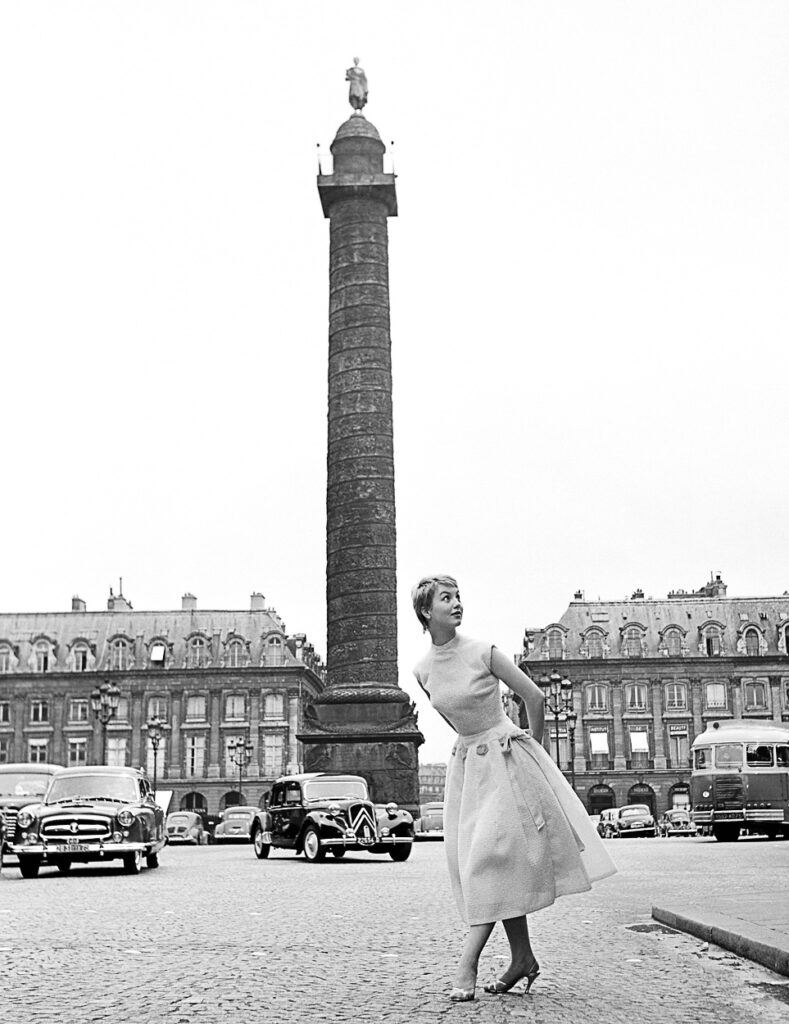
516, 835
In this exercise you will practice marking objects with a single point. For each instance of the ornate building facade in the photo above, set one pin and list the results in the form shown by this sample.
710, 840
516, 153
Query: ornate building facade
648, 676
211, 677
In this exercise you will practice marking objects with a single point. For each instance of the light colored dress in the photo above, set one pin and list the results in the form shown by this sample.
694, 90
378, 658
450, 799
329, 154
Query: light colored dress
516, 836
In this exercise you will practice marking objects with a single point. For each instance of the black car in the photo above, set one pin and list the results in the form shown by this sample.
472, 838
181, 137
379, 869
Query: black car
316, 813
91, 814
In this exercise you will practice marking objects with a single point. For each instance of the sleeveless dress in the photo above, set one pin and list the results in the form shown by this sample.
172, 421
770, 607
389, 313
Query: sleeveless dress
516, 836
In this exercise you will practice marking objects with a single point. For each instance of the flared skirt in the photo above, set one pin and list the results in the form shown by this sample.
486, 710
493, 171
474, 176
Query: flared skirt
516, 835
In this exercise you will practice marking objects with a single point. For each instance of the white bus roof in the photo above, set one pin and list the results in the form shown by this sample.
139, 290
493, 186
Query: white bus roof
739, 731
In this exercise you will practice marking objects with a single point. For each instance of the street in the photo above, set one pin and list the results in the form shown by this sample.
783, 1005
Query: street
215, 934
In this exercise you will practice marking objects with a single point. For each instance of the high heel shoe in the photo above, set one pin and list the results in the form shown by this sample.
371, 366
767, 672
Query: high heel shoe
497, 988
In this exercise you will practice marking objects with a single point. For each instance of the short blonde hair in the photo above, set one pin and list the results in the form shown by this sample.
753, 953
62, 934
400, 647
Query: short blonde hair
423, 593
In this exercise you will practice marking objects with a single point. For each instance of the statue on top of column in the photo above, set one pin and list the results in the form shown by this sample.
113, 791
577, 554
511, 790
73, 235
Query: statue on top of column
357, 93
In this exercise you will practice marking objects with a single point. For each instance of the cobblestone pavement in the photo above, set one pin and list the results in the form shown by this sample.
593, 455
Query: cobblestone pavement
216, 935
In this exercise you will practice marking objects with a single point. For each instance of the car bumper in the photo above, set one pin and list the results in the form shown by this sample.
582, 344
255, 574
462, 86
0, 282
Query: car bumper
382, 843
83, 850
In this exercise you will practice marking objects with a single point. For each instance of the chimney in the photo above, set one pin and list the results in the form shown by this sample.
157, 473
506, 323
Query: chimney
637, 595
578, 596
257, 603
188, 603
77, 604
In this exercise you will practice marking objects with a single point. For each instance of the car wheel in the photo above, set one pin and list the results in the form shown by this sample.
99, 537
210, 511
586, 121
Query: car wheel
29, 866
311, 845
132, 862
262, 850
401, 852
338, 852
152, 860
64, 866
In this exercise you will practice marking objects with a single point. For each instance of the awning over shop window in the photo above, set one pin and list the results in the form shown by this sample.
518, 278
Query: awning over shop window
639, 744
598, 741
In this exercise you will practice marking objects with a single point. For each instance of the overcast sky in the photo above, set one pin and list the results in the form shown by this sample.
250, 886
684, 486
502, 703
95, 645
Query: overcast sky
588, 283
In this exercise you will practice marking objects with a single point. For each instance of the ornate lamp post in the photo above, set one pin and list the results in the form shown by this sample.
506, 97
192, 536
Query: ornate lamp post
572, 718
240, 751
104, 703
155, 732
558, 691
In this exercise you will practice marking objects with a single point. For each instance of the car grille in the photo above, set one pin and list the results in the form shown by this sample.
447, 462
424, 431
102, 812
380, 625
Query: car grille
10, 823
362, 821
83, 827
728, 793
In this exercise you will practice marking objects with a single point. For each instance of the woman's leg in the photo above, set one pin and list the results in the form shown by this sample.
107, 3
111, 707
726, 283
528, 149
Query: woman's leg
523, 959
466, 974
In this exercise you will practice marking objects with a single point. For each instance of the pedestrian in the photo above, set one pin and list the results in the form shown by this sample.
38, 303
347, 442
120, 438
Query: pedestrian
516, 836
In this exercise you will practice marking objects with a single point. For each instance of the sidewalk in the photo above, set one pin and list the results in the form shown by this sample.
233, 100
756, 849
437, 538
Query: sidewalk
753, 927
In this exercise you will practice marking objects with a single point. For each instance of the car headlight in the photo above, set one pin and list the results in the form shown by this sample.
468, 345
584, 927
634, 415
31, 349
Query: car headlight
333, 810
125, 818
24, 819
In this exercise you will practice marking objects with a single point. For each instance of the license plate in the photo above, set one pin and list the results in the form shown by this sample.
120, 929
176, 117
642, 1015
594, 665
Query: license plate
74, 848
366, 841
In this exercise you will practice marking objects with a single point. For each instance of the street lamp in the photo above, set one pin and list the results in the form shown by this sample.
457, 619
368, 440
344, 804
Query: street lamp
240, 751
572, 718
155, 732
558, 691
104, 703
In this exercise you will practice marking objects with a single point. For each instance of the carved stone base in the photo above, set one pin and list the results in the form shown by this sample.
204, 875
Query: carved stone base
381, 746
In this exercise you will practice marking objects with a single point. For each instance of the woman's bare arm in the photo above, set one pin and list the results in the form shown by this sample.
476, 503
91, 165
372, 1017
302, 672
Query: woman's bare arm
509, 673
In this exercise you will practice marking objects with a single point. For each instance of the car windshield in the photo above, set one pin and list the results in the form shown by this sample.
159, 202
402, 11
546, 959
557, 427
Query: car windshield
229, 815
335, 789
25, 783
93, 787
632, 812
179, 819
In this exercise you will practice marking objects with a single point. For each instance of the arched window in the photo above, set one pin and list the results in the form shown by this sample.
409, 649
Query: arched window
673, 641
197, 653
631, 642
5, 658
43, 655
676, 697
636, 697
273, 653
752, 642
157, 708
120, 654
713, 641
235, 656
594, 644
555, 646
81, 654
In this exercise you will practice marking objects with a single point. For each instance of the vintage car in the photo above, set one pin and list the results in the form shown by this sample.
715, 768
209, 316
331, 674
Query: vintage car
430, 824
316, 812
21, 784
676, 822
235, 825
632, 820
2, 841
91, 814
185, 827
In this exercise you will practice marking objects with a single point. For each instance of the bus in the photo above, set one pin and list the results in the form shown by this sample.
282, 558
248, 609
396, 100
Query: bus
740, 780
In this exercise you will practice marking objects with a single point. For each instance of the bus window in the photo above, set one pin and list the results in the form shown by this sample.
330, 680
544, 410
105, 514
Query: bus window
728, 755
702, 757
782, 754
758, 755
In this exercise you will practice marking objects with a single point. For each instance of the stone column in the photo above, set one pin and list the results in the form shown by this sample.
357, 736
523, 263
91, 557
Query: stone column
363, 722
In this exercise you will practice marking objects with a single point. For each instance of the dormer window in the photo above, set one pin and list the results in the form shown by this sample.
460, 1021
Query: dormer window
673, 641
43, 654
198, 653
632, 642
120, 654
235, 653
752, 646
555, 645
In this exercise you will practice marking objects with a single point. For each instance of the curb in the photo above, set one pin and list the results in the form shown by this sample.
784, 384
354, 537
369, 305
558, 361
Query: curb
765, 946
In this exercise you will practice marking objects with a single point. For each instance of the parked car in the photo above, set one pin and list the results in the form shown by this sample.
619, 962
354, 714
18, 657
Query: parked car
633, 820
605, 825
21, 784
676, 822
315, 813
91, 814
430, 824
185, 827
2, 840
235, 825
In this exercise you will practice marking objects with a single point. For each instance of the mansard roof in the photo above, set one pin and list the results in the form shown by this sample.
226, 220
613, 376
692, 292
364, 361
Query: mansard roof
692, 612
